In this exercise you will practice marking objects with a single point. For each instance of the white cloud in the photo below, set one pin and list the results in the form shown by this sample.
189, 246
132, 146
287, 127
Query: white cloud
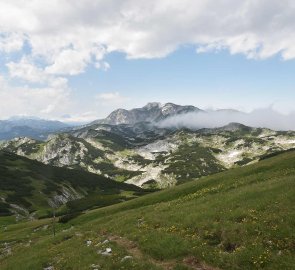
74, 61
46, 101
26, 70
265, 117
10, 42
67, 33
85, 117
103, 65
66, 36
69, 62
55, 100
111, 98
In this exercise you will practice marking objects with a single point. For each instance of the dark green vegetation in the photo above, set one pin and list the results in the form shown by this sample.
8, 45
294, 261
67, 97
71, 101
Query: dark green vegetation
34, 186
191, 161
116, 173
238, 219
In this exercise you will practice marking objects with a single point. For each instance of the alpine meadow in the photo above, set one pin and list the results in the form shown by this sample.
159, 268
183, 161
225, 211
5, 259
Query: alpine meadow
147, 135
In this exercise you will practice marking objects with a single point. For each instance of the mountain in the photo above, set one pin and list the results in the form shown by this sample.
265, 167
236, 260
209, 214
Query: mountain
152, 157
30, 188
143, 153
152, 112
238, 219
29, 127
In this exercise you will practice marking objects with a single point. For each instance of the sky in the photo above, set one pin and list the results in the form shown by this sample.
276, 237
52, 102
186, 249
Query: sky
79, 60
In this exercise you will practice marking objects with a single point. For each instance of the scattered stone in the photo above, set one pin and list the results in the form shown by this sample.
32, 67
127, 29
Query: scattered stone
49, 268
106, 252
126, 258
95, 266
105, 241
8, 251
28, 244
88, 243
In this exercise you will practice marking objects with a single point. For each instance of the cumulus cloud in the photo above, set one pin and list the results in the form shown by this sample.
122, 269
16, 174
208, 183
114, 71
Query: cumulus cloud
266, 118
67, 36
71, 31
51, 100
26, 70
10, 42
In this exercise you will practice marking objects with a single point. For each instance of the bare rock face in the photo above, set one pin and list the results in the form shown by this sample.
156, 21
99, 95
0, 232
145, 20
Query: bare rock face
66, 194
152, 112
62, 150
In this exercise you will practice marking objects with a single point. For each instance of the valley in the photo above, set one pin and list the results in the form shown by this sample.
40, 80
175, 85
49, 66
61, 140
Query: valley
238, 219
127, 193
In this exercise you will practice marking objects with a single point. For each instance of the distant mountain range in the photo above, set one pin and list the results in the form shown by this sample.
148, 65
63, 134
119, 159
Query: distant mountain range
32, 127
152, 157
129, 147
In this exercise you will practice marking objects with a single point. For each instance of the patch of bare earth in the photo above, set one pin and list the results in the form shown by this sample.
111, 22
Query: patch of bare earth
132, 248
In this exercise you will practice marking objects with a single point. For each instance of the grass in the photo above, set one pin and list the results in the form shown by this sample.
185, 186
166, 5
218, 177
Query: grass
191, 161
242, 218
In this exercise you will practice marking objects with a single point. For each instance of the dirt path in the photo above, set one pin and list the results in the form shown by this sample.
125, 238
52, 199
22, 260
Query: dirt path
132, 248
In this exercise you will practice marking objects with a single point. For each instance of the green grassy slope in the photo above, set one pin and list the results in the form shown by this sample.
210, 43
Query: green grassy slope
242, 218
30, 184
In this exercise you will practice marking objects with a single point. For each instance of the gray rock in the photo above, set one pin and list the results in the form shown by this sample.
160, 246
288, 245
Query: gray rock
126, 258
49, 268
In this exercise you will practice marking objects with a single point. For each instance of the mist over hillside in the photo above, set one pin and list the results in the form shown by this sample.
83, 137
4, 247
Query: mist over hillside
259, 118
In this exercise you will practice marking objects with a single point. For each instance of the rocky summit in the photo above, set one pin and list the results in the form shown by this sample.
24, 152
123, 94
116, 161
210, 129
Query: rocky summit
152, 112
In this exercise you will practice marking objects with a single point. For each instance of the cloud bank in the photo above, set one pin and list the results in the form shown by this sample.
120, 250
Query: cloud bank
61, 38
266, 118
71, 34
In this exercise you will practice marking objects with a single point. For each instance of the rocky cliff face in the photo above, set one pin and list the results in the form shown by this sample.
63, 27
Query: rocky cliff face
152, 112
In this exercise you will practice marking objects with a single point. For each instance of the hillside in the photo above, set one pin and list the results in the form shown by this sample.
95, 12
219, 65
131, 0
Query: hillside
242, 218
151, 157
30, 189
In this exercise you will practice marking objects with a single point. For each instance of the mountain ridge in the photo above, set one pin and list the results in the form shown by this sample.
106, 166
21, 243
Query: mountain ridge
152, 112
148, 156
30, 189
29, 127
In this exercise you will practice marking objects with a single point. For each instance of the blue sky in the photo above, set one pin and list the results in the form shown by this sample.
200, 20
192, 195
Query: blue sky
208, 80
96, 56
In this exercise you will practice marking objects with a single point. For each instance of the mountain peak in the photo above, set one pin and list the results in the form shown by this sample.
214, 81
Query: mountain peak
152, 112
152, 105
